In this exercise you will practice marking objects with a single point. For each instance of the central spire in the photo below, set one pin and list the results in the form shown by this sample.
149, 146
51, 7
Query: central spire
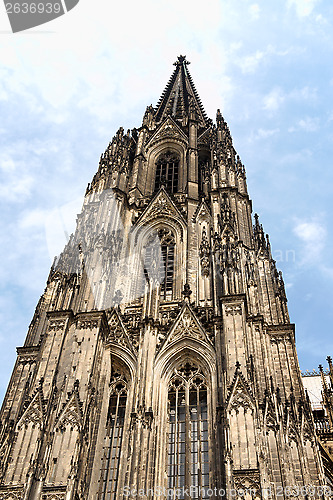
180, 97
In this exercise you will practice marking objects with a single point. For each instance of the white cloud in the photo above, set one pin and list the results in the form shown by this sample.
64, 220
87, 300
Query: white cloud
16, 182
310, 232
16, 189
296, 157
234, 46
264, 133
303, 7
321, 19
250, 63
276, 97
30, 219
327, 271
84, 65
307, 124
304, 94
273, 100
7, 165
20, 163
254, 11
313, 237
59, 223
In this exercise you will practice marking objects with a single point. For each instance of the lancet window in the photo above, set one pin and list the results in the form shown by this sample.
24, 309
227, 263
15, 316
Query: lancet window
167, 167
114, 437
159, 262
188, 456
167, 240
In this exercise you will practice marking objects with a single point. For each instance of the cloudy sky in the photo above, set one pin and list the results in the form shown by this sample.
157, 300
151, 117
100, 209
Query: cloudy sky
67, 86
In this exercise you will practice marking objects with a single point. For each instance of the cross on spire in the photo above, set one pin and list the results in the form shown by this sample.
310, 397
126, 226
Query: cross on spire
181, 60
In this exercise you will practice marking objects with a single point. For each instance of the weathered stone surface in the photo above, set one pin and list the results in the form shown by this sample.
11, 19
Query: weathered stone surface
163, 327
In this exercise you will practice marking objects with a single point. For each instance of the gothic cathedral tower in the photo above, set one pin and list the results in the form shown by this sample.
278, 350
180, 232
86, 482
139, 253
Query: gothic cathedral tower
161, 359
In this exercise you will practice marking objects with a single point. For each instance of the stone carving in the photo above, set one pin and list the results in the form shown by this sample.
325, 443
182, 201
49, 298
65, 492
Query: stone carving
114, 242
27, 355
118, 380
249, 269
280, 337
118, 332
34, 409
202, 213
162, 207
189, 371
227, 219
11, 493
71, 413
206, 138
56, 324
205, 315
270, 416
204, 253
131, 321
87, 324
167, 316
116, 159
186, 326
240, 394
54, 495
233, 309
248, 481
240, 399
168, 131
143, 417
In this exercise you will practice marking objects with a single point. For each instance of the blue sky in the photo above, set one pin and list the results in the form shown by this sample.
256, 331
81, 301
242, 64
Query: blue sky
67, 86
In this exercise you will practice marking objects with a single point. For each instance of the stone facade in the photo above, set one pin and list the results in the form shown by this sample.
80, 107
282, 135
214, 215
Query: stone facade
161, 354
319, 388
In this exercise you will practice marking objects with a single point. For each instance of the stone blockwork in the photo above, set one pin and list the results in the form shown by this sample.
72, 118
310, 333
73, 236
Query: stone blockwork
161, 353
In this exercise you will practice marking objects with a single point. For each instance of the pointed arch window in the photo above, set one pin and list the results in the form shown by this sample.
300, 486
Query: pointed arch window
159, 262
167, 167
188, 456
167, 240
114, 438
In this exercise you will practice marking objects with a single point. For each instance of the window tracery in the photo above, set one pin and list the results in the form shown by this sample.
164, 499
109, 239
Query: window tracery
188, 457
159, 262
167, 167
114, 436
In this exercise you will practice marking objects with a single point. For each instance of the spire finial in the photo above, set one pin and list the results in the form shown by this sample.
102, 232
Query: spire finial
181, 60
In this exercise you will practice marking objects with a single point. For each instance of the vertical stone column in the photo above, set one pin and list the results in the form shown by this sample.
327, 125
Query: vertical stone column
192, 172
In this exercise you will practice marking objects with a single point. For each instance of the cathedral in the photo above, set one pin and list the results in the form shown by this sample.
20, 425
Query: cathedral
161, 361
